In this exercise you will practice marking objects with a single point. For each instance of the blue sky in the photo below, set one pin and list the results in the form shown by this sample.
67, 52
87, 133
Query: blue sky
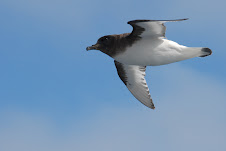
55, 96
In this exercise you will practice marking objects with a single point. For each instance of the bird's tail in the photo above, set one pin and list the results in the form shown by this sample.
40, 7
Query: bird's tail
205, 52
191, 52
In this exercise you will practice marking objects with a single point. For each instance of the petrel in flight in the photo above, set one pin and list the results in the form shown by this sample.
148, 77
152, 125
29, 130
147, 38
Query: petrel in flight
145, 46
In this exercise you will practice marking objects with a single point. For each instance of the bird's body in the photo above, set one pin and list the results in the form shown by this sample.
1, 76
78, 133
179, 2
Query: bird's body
145, 46
155, 51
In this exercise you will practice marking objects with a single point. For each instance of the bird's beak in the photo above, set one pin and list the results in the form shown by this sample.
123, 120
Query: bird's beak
93, 47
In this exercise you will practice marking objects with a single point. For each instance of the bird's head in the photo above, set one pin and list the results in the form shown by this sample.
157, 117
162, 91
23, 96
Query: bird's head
105, 44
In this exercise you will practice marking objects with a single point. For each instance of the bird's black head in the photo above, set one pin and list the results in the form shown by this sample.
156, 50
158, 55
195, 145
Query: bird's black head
105, 44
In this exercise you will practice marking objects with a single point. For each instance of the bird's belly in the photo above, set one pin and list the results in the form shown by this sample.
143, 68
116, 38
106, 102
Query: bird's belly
140, 57
151, 54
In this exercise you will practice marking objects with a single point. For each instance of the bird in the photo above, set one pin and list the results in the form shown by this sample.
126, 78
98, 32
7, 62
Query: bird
145, 46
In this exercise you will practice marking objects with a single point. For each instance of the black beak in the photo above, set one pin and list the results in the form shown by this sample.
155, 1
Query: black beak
93, 47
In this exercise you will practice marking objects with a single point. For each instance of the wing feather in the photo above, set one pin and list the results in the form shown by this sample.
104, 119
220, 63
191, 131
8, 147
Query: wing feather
150, 28
133, 77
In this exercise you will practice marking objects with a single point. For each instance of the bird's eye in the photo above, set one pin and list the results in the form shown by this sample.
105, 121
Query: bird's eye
104, 39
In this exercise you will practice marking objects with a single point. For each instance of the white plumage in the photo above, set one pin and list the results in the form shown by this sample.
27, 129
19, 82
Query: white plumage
154, 49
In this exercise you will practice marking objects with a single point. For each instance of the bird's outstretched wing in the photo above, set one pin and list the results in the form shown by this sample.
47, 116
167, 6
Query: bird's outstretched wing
133, 77
150, 28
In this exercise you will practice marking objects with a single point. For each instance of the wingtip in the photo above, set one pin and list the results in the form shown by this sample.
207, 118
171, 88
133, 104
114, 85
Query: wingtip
178, 19
185, 19
153, 107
